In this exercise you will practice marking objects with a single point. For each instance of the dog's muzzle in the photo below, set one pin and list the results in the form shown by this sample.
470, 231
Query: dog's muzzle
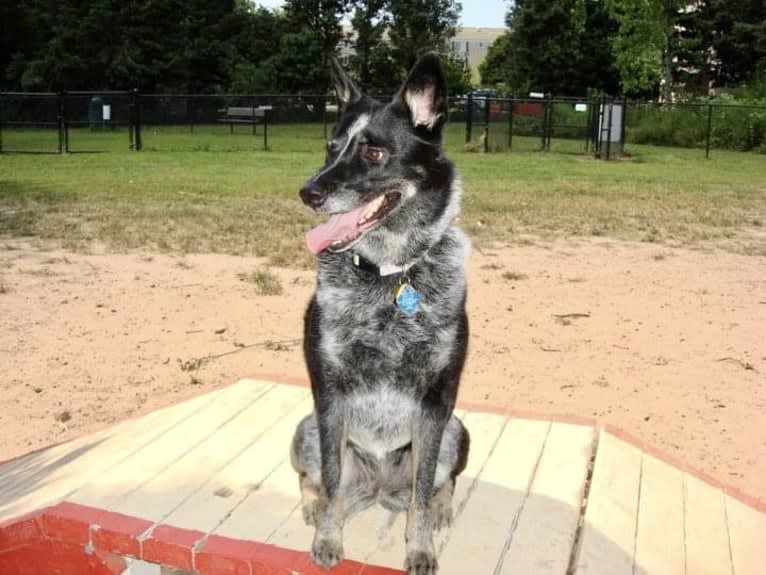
313, 195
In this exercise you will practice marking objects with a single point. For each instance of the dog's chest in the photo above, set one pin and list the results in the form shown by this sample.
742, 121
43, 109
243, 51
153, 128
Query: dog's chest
380, 418
366, 336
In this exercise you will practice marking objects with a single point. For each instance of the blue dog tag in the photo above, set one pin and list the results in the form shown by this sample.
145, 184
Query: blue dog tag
407, 299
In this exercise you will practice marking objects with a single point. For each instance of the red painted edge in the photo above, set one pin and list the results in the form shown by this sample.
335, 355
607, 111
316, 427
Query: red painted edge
70, 527
172, 546
506, 410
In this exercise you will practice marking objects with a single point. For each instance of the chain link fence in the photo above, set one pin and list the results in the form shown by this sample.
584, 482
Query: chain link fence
115, 121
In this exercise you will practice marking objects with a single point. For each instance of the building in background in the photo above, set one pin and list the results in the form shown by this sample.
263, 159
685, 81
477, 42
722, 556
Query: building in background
471, 45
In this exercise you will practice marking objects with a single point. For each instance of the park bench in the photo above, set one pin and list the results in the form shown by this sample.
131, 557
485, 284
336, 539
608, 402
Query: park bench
243, 115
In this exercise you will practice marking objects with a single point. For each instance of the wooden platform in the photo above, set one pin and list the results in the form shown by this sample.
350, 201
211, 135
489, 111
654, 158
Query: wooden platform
206, 486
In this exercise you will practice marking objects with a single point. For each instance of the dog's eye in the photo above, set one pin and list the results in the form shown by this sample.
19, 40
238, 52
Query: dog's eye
373, 154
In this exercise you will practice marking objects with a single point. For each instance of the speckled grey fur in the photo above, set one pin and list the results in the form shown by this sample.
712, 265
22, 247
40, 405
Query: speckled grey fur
385, 383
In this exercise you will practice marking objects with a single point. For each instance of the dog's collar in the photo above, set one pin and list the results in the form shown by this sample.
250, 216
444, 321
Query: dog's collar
385, 270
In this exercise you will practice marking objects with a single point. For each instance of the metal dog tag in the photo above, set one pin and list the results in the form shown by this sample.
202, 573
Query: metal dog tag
407, 298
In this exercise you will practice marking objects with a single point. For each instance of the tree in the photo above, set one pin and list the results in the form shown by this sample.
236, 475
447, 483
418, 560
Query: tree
371, 61
738, 39
642, 44
419, 26
314, 29
253, 33
457, 74
23, 29
544, 46
597, 69
559, 47
494, 68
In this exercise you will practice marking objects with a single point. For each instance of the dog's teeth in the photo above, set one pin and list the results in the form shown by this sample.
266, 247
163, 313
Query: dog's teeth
374, 207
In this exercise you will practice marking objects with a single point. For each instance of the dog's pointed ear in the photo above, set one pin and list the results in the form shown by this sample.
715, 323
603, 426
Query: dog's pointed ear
424, 94
345, 88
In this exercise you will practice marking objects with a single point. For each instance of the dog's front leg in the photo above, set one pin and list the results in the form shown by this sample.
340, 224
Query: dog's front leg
426, 439
327, 549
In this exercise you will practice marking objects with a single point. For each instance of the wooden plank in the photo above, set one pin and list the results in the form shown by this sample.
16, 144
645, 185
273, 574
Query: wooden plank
609, 532
229, 487
262, 513
660, 536
19, 471
46, 477
542, 542
747, 537
159, 496
484, 430
388, 548
366, 532
707, 541
480, 534
105, 490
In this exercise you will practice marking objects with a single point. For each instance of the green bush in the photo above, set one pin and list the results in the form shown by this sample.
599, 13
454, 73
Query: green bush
682, 126
737, 126
737, 123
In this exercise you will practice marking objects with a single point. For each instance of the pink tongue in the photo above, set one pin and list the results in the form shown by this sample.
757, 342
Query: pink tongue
338, 227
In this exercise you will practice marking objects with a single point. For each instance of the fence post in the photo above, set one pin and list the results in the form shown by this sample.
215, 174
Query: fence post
609, 131
2, 115
64, 122
60, 120
266, 129
545, 126
487, 104
253, 106
510, 126
323, 100
622, 126
131, 120
469, 118
596, 125
709, 127
191, 111
138, 144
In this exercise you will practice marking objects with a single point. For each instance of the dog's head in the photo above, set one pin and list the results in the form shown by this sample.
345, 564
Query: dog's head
385, 184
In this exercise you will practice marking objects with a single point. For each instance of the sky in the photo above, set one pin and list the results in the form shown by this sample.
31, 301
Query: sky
482, 13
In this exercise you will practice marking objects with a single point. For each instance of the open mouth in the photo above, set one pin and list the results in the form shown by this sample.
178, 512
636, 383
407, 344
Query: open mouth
343, 230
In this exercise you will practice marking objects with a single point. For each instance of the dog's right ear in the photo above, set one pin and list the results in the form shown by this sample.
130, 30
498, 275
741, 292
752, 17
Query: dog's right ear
424, 95
345, 88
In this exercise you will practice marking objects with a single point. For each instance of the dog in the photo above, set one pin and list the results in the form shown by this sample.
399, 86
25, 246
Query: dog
386, 332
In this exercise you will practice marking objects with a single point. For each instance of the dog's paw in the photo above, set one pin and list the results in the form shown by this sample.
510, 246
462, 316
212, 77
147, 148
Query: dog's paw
421, 563
327, 552
310, 512
441, 515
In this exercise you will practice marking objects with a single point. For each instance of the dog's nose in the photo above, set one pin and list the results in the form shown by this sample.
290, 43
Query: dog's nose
312, 195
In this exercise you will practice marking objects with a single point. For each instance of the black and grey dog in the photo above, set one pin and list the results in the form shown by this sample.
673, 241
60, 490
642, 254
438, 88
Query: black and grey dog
386, 332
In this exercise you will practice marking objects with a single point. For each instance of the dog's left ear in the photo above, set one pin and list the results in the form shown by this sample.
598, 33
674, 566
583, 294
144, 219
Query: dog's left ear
424, 94
345, 88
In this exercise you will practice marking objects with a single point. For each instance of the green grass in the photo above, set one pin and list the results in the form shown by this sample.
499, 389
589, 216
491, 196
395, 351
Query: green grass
180, 198
265, 282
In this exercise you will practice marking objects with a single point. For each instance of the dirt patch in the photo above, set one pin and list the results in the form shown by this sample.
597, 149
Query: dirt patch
665, 343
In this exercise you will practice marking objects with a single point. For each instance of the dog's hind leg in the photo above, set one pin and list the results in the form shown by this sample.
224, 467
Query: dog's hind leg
317, 453
358, 487
427, 435
396, 485
306, 460
453, 456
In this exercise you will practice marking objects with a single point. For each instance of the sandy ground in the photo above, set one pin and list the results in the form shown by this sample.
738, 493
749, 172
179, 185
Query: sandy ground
665, 343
